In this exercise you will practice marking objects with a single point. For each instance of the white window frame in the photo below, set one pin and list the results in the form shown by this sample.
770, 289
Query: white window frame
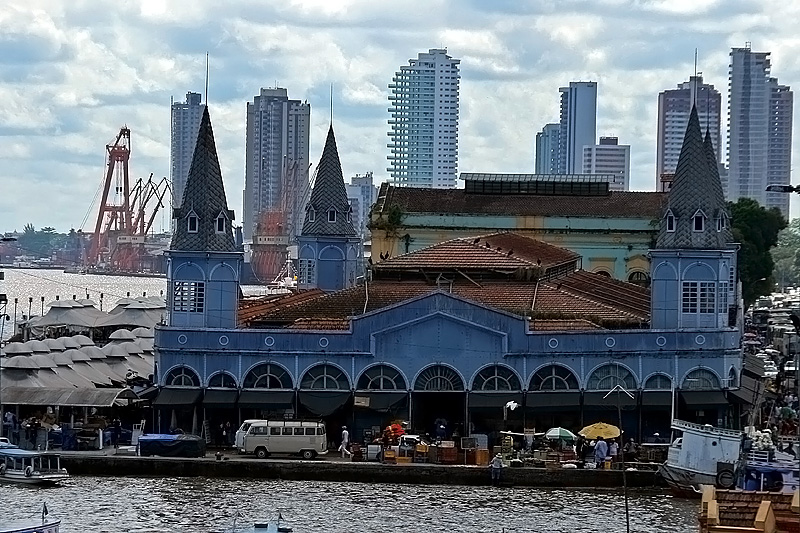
220, 218
192, 218
331, 215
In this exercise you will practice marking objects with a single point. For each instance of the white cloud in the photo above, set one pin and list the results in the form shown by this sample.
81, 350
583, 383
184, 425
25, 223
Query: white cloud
72, 73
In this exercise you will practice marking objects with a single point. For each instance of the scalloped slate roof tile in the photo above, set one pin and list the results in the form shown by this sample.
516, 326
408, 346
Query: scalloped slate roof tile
329, 193
204, 195
696, 187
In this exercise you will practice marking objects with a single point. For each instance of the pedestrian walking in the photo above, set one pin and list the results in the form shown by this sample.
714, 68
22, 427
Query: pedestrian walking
613, 450
343, 447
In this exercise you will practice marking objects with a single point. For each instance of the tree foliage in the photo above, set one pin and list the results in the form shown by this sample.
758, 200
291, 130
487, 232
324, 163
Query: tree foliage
39, 243
756, 230
786, 256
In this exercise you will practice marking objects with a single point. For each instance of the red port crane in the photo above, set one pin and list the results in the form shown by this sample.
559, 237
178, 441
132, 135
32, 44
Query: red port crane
122, 221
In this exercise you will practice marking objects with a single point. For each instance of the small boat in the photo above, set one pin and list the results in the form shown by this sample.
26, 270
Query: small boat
272, 526
32, 468
722, 458
31, 526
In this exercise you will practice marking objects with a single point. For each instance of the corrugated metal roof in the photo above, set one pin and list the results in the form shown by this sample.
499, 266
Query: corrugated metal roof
46, 396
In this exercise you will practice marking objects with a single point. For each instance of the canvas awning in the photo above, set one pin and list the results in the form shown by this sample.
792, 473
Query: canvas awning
266, 399
220, 397
46, 396
566, 399
379, 401
168, 396
704, 399
604, 399
493, 399
657, 398
323, 403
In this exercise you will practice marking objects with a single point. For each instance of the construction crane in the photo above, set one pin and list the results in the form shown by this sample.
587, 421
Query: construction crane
122, 220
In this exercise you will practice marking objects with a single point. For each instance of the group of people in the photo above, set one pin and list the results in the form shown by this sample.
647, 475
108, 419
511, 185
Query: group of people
602, 450
225, 434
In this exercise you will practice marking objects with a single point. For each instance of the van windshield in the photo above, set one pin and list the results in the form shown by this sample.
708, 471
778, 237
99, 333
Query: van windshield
245, 427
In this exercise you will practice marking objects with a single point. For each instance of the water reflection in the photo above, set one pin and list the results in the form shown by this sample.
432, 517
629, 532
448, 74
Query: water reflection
202, 505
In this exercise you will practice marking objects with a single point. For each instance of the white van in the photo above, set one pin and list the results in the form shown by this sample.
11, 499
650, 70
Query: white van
242, 431
294, 437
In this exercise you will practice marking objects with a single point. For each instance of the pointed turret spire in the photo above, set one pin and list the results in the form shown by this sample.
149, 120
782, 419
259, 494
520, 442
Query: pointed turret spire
203, 221
696, 216
328, 211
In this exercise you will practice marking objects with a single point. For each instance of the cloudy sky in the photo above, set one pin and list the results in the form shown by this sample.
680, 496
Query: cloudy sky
72, 72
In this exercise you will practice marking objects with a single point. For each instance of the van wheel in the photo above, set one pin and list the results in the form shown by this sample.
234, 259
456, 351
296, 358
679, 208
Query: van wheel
262, 453
309, 454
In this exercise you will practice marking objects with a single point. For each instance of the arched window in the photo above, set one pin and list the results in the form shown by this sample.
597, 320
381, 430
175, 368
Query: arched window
325, 377
658, 382
381, 377
439, 378
182, 376
733, 379
223, 379
268, 376
604, 273
639, 278
552, 378
497, 377
609, 376
701, 379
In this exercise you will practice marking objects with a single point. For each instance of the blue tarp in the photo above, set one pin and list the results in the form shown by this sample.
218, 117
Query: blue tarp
172, 445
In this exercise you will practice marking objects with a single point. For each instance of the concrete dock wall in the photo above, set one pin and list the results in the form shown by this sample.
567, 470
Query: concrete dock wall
320, 470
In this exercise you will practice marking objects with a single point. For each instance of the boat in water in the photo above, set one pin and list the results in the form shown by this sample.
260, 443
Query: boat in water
42, 525
272, 526
724, 458
31, 468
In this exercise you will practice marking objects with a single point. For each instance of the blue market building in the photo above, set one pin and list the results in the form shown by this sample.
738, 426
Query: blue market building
454, 331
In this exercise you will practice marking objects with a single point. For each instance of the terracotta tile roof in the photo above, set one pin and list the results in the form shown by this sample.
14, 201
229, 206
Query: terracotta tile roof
738, 508
496, 251
253, 308
581, 295
648, 205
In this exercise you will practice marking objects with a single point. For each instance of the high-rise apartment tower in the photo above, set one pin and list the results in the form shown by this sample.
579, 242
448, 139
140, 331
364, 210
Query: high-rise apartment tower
546, 161
578, 126
423, 123
759, 132
277, 145
609, 158
185, 122
674, 107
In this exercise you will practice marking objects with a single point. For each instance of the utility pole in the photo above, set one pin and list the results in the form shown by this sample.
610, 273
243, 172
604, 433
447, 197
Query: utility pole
619, 390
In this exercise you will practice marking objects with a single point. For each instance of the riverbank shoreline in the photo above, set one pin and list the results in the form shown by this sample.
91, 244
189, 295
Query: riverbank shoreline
82, 464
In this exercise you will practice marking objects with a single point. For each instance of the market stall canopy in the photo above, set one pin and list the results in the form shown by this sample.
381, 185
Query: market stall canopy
380, 401
496, 400
600, 429
323, 403
266, 399
560, 434
47, 396
220, 397
135, 315
567, 400
604, 399
168, 396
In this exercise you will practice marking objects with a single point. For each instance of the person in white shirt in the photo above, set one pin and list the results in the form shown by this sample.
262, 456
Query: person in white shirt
345, 442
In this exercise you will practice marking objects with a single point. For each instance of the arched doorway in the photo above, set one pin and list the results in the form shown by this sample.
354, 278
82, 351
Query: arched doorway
553, 398
438, 399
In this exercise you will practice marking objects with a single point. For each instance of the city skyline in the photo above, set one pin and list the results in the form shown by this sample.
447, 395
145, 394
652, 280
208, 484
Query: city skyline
70, 81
